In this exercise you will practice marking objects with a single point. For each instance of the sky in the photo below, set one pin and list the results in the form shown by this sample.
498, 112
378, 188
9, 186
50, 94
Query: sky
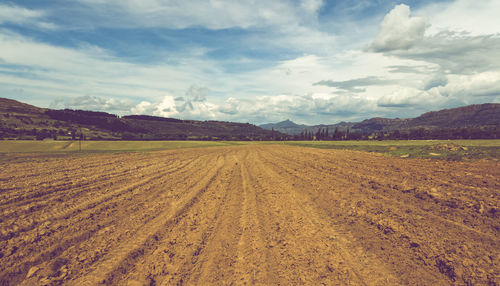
256, 61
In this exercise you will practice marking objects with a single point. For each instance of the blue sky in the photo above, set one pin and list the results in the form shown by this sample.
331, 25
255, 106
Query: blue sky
311, 61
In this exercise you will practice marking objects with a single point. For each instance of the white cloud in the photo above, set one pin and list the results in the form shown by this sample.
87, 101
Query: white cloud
466, 87
311, 5
283, 24
323, 107
399, 31
144, 107
475, 17
406, 65
22, 16
67, 72
454, 89
410, 97
461, 67
178, 107
15, 14
93, 103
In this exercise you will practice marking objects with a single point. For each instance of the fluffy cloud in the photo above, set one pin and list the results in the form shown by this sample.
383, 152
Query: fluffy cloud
456, 52
452, 51
193, 105
399, 31
410, 98
284, 71
475, 17
448, 90
324, 108
459, 67
19, 15
470, 87
60, 72
93, 103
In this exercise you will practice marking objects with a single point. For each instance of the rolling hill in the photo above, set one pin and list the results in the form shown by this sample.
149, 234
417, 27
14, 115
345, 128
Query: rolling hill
23, 121
471, 116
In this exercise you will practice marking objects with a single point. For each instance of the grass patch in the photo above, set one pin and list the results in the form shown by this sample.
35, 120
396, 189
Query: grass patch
438, 149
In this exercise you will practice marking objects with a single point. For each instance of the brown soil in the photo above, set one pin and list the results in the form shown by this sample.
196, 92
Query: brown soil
272, 215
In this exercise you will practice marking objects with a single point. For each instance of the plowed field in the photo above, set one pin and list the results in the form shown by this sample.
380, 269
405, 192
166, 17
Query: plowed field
268, 215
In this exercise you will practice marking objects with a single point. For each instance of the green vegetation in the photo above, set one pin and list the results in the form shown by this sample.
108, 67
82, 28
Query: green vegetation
437, 149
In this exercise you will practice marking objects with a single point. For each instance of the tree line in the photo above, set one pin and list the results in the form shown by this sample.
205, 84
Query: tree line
407, 134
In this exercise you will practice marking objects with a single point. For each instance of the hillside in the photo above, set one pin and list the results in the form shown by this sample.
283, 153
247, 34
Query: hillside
23, 121
487, 114
478, 116
16, 107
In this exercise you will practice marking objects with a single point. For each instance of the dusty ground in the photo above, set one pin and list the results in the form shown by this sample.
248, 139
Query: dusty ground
248, 215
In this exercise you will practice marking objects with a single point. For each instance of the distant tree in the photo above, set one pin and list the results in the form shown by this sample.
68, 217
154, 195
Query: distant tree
337, 134
355, 136
416, 134
396, 134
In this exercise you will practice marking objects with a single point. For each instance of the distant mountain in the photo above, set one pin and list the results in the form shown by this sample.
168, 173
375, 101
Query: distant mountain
477, 115
23, 121
287, 127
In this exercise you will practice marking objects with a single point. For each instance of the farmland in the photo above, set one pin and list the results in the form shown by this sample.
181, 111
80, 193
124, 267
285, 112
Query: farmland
247, 214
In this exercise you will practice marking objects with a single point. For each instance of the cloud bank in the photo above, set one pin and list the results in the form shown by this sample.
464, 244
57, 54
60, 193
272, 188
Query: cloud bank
251, 61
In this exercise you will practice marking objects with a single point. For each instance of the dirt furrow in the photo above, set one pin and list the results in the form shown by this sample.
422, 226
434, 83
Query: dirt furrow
447, 211
396, 189
52, 187
216, 253
81, 201
93, 212
254, 260
245, 215
341, 261
406, 227
124, 257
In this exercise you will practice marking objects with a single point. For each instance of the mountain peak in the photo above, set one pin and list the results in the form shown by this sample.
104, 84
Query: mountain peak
282, 124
